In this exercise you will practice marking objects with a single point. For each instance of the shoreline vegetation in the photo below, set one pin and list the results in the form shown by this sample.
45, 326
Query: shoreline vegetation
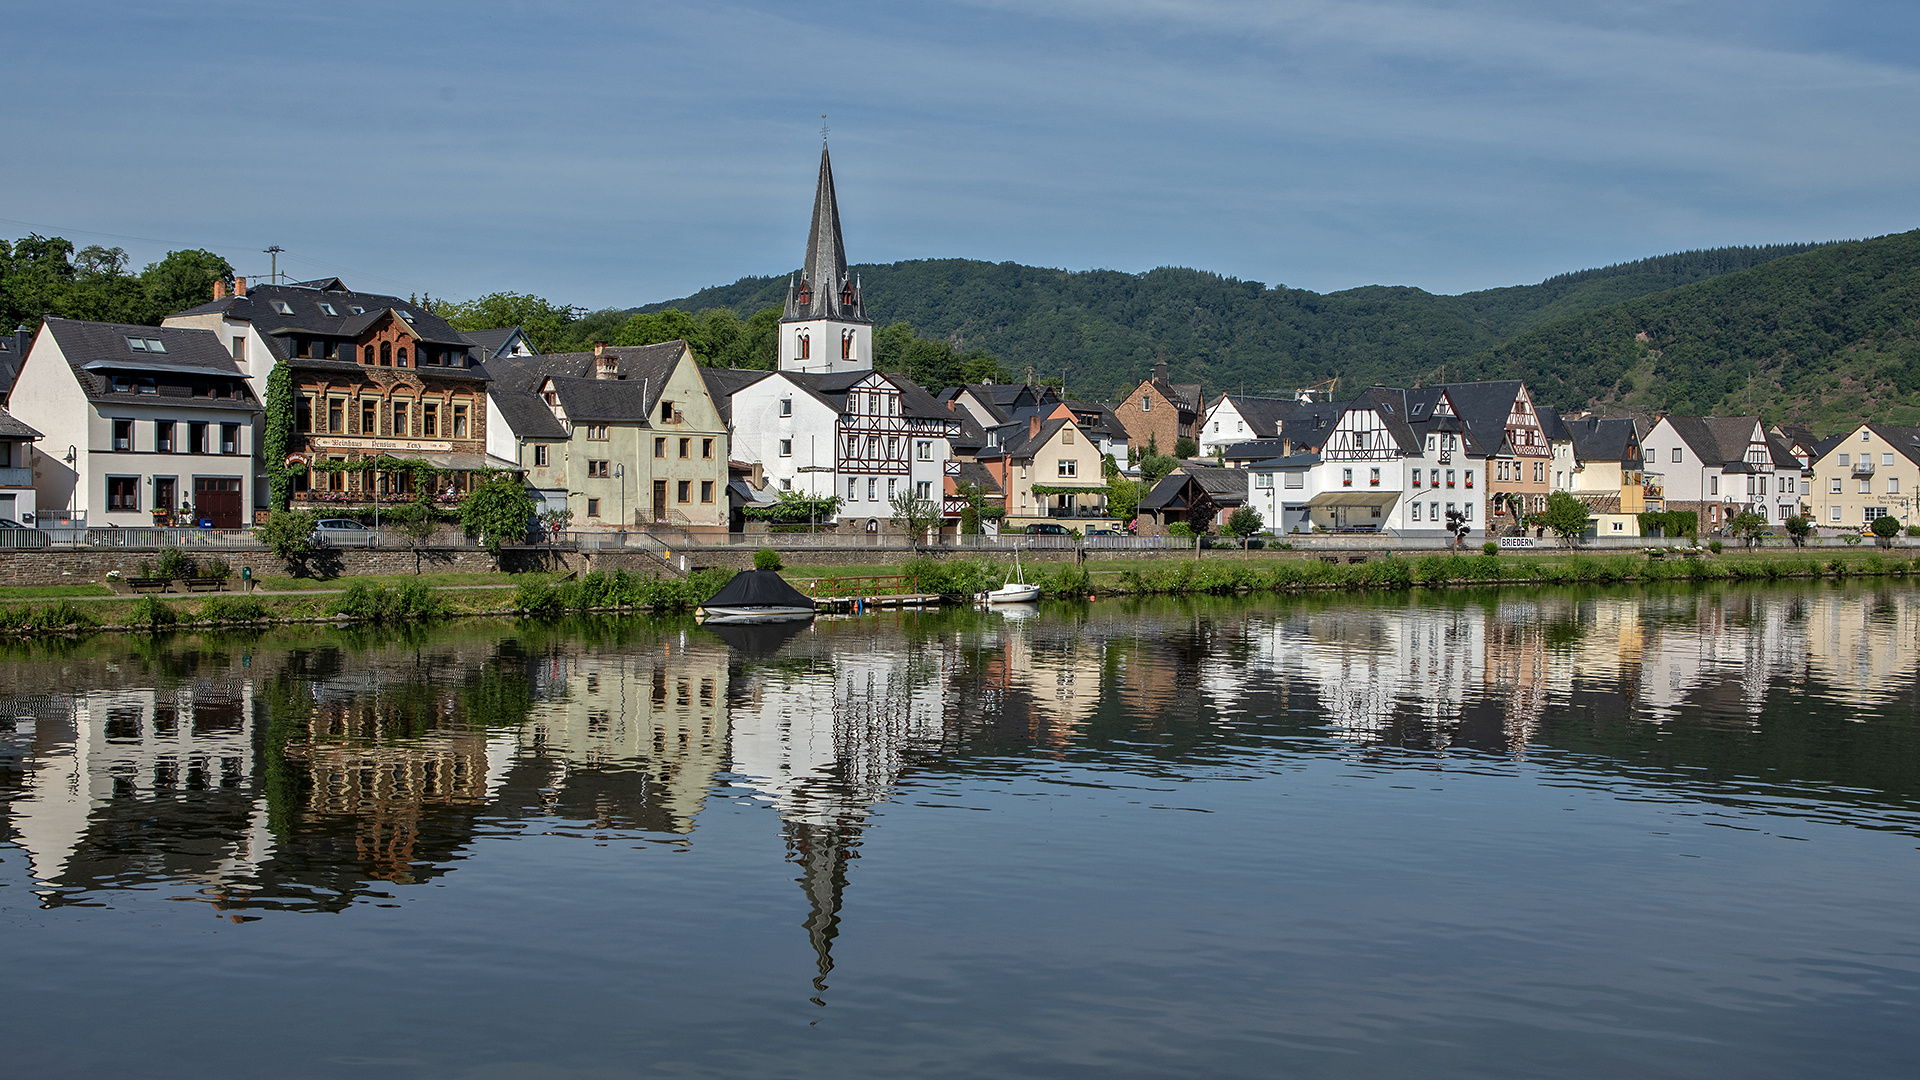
372, 603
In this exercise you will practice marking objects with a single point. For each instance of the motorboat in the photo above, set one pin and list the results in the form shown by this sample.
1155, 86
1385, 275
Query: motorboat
756, 596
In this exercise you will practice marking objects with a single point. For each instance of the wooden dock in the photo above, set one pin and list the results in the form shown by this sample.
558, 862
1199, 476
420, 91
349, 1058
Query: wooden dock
857, 594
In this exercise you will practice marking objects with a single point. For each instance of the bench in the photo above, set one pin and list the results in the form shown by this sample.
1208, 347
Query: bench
205, 584
149, 584
1356, 558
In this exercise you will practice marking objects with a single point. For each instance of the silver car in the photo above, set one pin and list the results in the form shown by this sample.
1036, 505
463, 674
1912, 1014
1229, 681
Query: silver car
342, 532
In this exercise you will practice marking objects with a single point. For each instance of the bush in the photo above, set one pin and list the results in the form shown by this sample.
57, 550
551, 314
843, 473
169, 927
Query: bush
65, 615
233, 609
767, 559
1715, 546
1490, 548
410, 601
153, 612
1180, 529
173, 564
213, 566
537, 600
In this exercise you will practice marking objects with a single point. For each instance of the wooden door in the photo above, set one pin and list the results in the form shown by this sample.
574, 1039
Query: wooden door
659, 500
217, 499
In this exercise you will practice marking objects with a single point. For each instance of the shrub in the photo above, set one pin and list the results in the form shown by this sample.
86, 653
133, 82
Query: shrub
1490, 548
213, 566
410, 601
233, 609
152, 612
767, 559
65, 615
1852, 539
1715, 546
1180, 529
173, 564
537, 600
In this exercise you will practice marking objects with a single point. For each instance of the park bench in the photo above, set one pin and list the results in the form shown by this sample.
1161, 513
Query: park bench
149, 584
205, 584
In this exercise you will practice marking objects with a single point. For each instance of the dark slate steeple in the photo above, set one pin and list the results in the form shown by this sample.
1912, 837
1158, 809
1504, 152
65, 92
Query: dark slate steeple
823, 289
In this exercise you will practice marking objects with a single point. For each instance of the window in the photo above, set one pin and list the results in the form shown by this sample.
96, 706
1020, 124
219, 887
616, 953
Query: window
1416, 478
1432, 443
1294, 480
163, 436
892, 490
804, 345
1893, 485
1713, 485
369, 417
853, 490
1887, 460
540, 454
597, 432
786, 406
1416, 511
1469, 477
706, 449
1845, 460
924, 450
1833, 513
303, 414
1864, 435
1373, 477
1866, 487
366, 355
923, 489
328, 308
706, 491
873, 490
400, 358
668, 414
660, 447
386, 354
283, 307
336, 416
196, 438
357, 309
1676, 455
1068, 467
1539, 472
123, 493
1833, 486
1872, 512
429, 419
846, 345
593, 508
686, 491
165, 493
1449, 477
240, 348
1433, 477
597, 468
1146, 402
1066, 436
1263, 480
1466, 512
401, 425
1346, 477
686, 449
123, 434
786, 484
229, 438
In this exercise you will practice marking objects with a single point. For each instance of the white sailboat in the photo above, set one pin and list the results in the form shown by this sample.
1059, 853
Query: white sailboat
1015, 590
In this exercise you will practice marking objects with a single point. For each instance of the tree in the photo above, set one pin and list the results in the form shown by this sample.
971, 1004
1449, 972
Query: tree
276, 434
652, 328
1185, 448
1565, 516
1123, 498
1886, 527
545, 323
182, 280
289, 535
1156, 467
1748, 526
914, 515
415, 522
498, 512
1799, 528
1244, 522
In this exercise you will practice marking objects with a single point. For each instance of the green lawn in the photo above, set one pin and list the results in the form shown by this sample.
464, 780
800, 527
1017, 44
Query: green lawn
52, 592
284, 583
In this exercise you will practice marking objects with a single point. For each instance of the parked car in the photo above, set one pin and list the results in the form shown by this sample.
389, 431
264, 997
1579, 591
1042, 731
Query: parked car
1047, 528
342, 532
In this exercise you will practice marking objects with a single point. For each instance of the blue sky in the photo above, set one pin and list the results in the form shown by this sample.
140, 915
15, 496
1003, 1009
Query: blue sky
610, 154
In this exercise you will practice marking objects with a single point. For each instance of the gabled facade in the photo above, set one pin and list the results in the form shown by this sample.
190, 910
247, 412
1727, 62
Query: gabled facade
1158, 414
1047, 468
1235, 418
824, 328
503, 342
373, 376
161, 422
1719, 466
1506, 429
1608, 472
1872, 471
17, 499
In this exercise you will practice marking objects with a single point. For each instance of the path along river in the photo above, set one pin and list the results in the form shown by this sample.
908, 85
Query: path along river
1638, 832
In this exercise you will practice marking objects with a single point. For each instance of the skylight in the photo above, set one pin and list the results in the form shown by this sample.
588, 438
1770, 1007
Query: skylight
328, 308
146, 344
357, 309
137, 344
154, 344
283, 307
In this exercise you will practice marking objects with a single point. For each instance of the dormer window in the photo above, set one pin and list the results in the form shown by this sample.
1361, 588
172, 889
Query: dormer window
805, 295
283, 307
137, 344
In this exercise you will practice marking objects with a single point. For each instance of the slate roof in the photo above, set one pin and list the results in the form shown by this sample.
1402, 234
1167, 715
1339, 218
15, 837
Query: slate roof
606, 400
95, 349
825, 267
723, 383
1718, 440
492, 342
1552, 426
641, 372
972, 472
1022, 440
13, 351
527, 416
1226, 487
1485, 407
915, 402
1291, 461
1598, 438
1390, 404
1263, 414
307, 316
13, 428
1309, 425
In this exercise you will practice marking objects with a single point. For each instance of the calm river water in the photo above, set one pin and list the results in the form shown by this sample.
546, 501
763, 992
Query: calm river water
1552, 833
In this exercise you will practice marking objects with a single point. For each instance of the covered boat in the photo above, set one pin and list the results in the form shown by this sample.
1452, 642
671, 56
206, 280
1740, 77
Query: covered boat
756, 596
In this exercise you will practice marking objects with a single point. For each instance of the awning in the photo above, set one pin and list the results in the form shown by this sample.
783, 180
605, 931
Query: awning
453, 462
1382, 499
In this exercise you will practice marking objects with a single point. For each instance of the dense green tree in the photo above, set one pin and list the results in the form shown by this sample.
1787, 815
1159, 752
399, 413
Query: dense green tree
545, 323
275, 435
1244, 522
499, 512
1565, 517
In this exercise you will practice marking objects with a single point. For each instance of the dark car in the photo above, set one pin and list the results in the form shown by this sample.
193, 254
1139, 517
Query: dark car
342, 532
1047, 528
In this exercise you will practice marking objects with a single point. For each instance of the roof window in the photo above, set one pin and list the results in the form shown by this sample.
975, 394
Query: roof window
283, 307
151, 344
356, 309
328, 308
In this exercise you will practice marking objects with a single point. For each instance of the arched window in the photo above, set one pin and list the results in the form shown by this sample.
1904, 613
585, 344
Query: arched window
367, 354
805, 295
402, 357
846, 344
386, 354
804, 345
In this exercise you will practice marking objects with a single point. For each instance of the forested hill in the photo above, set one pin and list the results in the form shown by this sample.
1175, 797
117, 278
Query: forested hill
1103, 328
1825, 337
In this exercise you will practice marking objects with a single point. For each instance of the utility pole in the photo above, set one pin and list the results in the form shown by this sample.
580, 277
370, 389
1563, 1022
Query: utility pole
274, 251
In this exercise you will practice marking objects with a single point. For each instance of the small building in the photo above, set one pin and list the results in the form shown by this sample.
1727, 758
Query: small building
17, 501
1200, 497
1159, 413
1046, 468
1871, 471
159, 425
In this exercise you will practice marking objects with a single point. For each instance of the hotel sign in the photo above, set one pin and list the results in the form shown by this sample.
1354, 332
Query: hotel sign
426, 445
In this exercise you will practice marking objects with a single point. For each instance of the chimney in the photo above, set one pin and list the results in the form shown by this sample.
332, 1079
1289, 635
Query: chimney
1033, 425
22, 341
240, 287
1160, 367
219, 288
606, 365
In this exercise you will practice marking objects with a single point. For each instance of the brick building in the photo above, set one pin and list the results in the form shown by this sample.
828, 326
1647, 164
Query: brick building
1159, 414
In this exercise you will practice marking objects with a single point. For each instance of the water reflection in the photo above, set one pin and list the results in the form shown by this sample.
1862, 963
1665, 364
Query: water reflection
317, 771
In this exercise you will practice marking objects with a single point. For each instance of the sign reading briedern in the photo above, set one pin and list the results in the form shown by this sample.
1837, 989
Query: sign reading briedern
1516, 541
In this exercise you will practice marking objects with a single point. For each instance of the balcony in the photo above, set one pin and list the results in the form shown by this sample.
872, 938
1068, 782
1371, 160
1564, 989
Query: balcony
1863, 467
16, 478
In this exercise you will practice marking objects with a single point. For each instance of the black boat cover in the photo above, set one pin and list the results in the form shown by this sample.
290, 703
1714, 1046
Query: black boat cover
757, 639
758, 588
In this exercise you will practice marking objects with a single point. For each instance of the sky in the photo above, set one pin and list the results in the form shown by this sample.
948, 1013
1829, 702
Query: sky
613, 154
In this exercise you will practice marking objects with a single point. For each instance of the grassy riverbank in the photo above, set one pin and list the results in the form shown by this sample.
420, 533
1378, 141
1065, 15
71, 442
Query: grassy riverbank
431, 597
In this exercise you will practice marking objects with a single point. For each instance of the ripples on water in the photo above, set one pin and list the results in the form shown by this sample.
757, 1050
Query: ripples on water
1552, 833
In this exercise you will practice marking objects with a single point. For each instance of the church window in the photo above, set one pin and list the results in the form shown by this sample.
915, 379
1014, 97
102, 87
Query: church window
805, 295
805, 346
386, 354
846, 345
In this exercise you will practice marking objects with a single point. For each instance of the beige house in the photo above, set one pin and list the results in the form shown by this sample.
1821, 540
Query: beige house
1871, 472
1048, 470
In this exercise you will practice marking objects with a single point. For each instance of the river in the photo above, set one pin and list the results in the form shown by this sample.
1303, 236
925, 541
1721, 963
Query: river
1628, 832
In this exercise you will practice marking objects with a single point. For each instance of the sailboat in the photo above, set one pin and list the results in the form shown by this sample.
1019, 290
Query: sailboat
1016, 590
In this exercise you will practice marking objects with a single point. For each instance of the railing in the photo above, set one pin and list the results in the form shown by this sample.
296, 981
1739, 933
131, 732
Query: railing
19, 539
16, 477
1863, 467
1078, 512
144, 537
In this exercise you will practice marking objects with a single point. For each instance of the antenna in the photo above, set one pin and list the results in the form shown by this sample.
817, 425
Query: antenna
274, 251
823, 127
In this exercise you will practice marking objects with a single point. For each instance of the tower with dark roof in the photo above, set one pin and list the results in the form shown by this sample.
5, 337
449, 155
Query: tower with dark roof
825, 326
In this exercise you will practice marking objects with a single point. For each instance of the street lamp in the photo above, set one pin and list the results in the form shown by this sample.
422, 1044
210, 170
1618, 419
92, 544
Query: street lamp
620, 473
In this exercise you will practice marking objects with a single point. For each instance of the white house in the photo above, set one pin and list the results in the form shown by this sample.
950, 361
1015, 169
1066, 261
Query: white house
1720, 466
156, 419
17, 501
1235, 418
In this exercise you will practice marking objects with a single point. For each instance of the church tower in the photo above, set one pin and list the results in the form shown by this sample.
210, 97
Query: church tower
825, 326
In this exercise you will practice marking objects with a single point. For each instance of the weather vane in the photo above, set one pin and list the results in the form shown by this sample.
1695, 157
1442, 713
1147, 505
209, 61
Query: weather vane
823, 127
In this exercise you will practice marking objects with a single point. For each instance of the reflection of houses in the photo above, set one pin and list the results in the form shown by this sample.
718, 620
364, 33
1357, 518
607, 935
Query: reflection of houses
1856, 643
